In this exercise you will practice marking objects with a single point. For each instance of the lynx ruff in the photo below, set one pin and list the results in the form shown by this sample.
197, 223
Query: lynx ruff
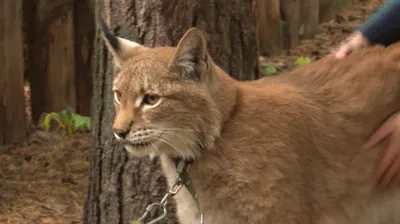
281, 149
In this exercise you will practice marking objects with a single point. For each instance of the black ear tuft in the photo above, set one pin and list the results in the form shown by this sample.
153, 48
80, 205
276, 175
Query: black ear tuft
111, 38
120, 48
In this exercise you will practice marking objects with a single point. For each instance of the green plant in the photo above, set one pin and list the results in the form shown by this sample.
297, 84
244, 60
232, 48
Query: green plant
270, 69
302, 61
67, 120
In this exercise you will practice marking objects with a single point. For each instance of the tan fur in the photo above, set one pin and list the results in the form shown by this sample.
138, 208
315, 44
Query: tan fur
278, 150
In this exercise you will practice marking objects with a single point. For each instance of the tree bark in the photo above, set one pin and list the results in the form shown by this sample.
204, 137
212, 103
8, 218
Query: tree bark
13, 125
268, 27
121, 186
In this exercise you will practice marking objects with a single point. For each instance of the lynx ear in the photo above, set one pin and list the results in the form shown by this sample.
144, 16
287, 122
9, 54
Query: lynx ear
120, 48
190, 58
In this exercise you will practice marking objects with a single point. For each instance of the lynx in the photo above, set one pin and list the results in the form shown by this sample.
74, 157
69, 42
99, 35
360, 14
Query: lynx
279, 150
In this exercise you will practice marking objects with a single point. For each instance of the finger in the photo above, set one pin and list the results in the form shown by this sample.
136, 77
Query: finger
382, 167
342, 52
396, 180
390, 174
389, 158
383, 131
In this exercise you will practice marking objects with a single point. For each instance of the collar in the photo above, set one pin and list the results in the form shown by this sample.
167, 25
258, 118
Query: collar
188, 161
183, 177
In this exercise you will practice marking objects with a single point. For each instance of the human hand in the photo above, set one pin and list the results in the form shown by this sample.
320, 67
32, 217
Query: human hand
352, 43
388, 170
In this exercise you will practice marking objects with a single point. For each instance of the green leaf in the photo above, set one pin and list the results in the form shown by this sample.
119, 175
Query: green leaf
302, 61
45, 122
66, 114
270, 69
67, 120
81, 122
48, 117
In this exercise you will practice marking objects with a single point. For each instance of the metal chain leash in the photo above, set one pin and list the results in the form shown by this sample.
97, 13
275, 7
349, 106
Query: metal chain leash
162, 204
182, 178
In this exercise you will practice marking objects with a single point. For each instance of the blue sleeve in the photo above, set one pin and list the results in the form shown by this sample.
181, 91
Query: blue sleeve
384, 26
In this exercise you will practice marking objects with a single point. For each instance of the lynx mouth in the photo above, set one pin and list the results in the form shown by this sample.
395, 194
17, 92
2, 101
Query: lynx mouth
139, 144
139, 149
136, 143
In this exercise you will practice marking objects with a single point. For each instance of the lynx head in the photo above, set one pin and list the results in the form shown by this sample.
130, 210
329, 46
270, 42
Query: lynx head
163, 96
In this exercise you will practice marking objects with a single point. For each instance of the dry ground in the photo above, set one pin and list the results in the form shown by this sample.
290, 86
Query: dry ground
45, 180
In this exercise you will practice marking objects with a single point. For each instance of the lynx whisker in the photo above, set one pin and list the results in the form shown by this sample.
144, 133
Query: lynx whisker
180, 137
170, 144
176, 129
193, 152
155, 148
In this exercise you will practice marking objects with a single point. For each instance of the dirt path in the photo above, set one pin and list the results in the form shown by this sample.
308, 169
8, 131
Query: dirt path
45, 180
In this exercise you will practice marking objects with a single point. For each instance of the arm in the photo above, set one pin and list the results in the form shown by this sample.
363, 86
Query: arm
384, 26
381, 28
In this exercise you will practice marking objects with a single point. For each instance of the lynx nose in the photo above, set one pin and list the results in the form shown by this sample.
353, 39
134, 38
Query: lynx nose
120, 133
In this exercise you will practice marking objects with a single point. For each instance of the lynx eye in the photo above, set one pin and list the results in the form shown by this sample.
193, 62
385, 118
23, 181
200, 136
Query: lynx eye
150, 99
117, 97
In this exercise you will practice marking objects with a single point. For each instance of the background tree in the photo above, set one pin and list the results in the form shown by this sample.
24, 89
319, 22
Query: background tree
120, 186
268, 27
59, 38
13, 126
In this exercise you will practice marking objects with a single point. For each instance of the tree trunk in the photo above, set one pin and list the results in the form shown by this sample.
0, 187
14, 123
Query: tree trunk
310, 17
84, 31
13, 126
120, 186
291, 16
51, 64
327, 10
268, 27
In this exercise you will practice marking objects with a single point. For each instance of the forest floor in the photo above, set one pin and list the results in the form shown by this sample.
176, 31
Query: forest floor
45, 180
331, 34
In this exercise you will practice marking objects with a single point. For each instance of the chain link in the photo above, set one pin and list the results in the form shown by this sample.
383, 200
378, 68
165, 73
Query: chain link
182, 178
173, 190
